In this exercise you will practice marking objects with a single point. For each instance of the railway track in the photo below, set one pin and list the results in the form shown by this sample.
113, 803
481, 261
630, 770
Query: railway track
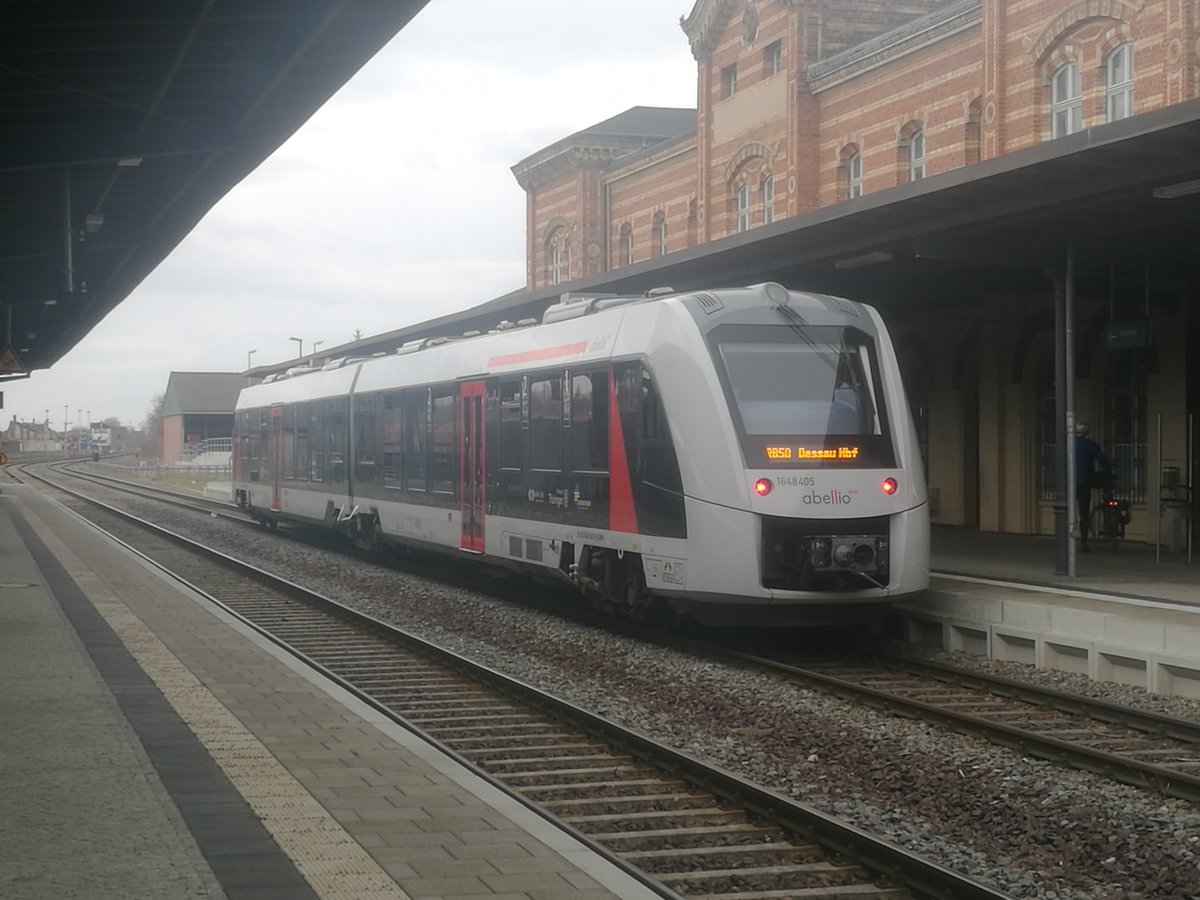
181, 499
1147, 750
684, 827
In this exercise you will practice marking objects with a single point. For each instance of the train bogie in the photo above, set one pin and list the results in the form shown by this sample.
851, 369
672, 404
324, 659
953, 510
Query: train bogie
732, 456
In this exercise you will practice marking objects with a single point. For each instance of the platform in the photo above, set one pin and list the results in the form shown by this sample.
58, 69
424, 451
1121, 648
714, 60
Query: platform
155, 748
1131, 617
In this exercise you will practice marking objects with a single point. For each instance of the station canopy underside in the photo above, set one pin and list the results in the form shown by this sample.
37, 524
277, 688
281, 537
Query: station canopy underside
125, 122
1125, 195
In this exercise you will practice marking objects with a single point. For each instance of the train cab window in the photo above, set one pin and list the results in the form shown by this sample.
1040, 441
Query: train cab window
289, 441
805, 395
545, 423
660, 466
510, 446
654, 418
589, 422
246, 439
416, 433
443, 445
316, 440
366, 440
393, 438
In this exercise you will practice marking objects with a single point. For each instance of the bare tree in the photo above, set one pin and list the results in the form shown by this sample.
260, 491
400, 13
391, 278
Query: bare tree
152, 428
358, 334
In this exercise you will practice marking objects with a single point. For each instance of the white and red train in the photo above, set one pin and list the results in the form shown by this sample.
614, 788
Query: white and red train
737, 456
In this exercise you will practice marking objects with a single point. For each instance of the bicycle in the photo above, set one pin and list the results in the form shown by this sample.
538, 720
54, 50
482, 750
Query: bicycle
1109, 518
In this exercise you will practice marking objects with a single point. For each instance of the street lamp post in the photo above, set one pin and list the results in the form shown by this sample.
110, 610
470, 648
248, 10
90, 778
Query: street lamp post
300, 342
315, 345
249, 353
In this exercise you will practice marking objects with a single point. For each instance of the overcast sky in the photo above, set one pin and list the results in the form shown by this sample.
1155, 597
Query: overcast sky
394, 204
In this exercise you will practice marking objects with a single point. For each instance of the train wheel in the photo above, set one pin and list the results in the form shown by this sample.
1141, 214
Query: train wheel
634, 603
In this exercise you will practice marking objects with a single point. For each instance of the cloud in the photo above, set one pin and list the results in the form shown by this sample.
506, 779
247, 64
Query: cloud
393, 204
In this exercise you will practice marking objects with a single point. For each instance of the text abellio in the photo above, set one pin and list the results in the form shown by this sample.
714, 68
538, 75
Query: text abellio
832, 498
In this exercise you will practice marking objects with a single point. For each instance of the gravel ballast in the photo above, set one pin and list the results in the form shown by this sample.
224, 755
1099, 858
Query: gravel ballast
1025, 826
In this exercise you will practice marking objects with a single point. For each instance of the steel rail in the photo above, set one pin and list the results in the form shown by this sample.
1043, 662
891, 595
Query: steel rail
1170, 782
919, 875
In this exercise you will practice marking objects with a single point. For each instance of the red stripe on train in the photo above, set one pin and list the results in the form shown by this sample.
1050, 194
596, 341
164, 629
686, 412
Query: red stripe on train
535, 355
622, 516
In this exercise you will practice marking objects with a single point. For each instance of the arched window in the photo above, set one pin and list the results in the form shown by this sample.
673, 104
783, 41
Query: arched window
768, 198
558, 257
1066, 101
851, 172
1119, 82
659, 236
973, 133
626, 250
742, 201
915, 155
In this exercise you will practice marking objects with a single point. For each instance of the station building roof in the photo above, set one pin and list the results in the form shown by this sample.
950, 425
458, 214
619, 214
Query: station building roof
125, 122
202, 393
1126, 195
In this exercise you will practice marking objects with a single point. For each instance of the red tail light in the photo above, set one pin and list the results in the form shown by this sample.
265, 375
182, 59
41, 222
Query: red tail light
890, 486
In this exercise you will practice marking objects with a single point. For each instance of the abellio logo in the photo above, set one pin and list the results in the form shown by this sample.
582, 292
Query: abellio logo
831, 498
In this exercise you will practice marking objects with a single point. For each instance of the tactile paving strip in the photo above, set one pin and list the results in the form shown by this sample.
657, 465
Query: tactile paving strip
332, 862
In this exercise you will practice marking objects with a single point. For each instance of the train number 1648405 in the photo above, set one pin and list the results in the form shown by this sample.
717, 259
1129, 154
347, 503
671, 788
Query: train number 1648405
796, 480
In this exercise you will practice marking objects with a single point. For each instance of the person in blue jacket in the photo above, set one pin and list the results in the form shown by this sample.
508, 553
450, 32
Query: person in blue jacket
1091, 470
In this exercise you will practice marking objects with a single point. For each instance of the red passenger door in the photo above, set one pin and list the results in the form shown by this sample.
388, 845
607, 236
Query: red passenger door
472, 466
275, 454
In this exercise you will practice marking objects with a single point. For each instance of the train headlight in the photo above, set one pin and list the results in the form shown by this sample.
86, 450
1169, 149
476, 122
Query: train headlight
763, 486
890, 486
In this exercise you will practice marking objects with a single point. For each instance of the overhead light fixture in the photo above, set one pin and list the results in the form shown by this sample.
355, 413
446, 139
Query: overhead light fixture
867, 259
1183, 189
130, 162
92, 222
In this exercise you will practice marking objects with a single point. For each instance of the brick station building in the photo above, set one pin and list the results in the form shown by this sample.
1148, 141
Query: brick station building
805, 106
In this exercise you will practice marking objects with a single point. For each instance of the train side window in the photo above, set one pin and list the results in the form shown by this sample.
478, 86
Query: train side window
416, 431
366, 440
289, 441
442, 444
317, 440
302, 422
510, 424
335, 422
545, 423
589, 422
262, 435
393, 438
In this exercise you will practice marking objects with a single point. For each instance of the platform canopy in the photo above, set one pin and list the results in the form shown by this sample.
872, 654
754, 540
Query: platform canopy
124, 122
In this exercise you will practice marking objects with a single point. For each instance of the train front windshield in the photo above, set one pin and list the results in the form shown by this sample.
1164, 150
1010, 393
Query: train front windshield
805, 396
